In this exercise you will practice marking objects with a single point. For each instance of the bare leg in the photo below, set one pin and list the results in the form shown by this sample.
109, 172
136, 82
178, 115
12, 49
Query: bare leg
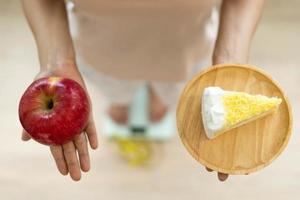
119, 113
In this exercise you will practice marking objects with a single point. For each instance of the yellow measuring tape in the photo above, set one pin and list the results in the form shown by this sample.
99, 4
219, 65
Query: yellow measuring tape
135, 151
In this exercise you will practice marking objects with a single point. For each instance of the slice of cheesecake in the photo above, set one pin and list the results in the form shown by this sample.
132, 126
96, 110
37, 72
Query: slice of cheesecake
224, 110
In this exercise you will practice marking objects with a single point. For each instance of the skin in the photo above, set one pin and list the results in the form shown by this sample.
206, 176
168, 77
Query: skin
238, 22
119, 112
49, 24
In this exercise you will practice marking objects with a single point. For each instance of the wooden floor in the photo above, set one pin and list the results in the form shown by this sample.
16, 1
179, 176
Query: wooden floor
28, 172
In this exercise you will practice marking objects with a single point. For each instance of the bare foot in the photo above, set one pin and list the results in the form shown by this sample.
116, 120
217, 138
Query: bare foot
157, 107
119, 113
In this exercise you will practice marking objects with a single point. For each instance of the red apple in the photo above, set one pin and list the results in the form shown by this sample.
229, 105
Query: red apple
53, 110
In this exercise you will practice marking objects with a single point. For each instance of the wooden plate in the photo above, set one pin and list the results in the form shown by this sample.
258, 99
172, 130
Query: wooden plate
247, 148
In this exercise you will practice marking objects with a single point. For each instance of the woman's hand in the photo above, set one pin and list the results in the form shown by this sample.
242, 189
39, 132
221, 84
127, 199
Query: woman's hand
65, 155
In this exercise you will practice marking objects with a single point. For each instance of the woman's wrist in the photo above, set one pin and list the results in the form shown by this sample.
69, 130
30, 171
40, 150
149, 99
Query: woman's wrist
57, 64
227, 55
57, 56
229, 59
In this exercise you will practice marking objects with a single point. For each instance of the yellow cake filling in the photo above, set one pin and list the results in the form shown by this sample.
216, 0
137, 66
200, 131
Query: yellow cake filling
242, 106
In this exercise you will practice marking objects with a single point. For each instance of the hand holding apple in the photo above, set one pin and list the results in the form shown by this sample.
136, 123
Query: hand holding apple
53, 110
65, 155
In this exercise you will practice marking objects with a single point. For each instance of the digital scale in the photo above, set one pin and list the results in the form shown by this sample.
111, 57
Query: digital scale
134, 138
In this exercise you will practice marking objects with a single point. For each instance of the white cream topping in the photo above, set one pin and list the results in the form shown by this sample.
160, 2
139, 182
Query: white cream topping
213, 111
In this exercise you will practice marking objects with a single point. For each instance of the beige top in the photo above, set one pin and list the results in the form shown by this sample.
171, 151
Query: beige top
145, 39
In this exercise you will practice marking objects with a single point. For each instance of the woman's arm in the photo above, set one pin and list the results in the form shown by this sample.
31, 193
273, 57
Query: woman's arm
49, 24
238, 22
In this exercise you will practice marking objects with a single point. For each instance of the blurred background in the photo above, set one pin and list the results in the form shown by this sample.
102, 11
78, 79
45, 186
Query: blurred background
28, 172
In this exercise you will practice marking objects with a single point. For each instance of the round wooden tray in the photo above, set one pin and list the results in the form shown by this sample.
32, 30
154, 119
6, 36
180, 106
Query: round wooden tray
247, 148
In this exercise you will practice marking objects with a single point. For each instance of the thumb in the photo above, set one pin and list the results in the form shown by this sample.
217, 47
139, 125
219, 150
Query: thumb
25, 136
